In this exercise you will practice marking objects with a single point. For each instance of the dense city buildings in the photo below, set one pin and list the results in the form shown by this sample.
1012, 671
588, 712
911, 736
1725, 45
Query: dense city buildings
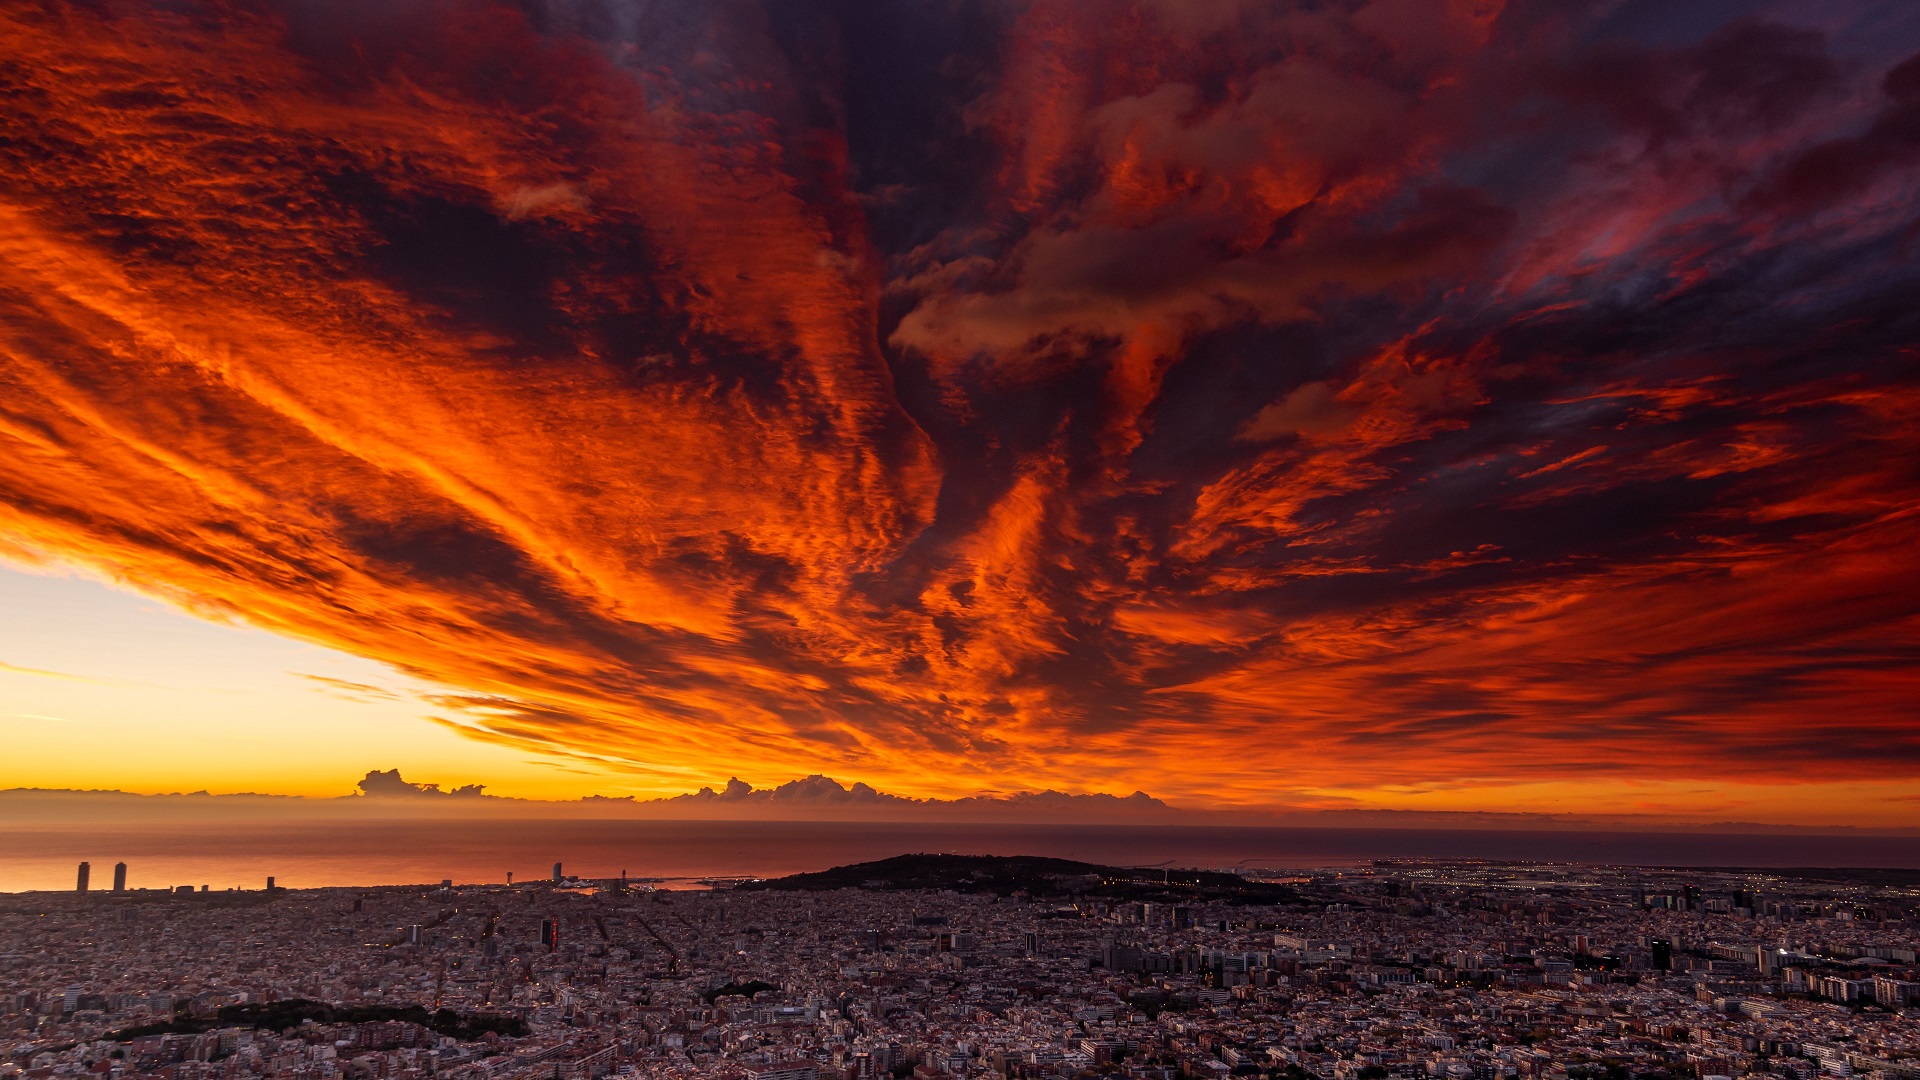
1451, 971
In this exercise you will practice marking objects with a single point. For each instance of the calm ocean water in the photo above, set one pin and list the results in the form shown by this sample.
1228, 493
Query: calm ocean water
409, 852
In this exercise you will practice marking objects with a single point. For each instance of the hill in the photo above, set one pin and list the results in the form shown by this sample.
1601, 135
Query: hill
1005, 875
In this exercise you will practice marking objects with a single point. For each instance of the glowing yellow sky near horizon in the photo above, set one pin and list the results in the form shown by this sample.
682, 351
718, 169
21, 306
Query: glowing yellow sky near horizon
101, 688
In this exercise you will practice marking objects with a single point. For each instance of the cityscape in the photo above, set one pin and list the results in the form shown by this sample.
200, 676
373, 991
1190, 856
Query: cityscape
936, 967
978, 539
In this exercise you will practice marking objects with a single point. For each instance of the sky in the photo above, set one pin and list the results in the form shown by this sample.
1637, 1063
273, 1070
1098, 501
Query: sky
104, 689
1391, 404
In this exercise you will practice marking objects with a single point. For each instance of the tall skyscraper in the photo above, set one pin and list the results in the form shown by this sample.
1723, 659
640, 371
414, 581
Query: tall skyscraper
1662, 950
556, 871
86, 869
120, 877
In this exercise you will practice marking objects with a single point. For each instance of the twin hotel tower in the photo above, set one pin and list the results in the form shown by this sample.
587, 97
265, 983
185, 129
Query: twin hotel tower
83, 882
85, 878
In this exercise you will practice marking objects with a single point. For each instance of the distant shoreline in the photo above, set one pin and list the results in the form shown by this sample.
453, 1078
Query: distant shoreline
43, 856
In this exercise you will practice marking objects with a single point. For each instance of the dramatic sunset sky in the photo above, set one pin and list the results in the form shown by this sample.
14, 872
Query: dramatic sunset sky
1422, 404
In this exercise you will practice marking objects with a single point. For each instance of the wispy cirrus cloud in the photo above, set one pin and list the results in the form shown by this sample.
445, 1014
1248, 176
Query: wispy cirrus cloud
63, 676
16, 669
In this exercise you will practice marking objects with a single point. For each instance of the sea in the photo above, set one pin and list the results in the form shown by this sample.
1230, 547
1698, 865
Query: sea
693, 854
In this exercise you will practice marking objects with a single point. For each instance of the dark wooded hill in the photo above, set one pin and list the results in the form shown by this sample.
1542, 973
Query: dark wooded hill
1005, 875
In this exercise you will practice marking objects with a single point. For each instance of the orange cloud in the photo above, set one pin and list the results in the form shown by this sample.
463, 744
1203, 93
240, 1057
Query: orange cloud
1116, 387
